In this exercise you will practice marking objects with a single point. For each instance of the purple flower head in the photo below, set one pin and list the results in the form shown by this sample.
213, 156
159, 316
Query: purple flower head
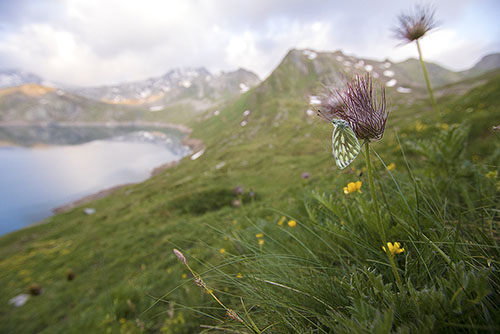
331, 105
414, 25
306, 175
358, 106
238, 190
180, 256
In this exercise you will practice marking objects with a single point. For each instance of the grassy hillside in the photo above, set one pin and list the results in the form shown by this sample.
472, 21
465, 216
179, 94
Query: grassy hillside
122, 255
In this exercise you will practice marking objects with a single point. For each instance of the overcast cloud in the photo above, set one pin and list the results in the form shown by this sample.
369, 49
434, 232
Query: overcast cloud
91, 42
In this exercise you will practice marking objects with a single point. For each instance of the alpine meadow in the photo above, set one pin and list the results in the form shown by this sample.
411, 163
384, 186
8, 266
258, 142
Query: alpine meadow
341, 194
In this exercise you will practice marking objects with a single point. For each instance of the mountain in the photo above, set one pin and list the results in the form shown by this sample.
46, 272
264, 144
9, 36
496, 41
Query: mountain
487, 63
179, 94
307, 68
308, 73
182, 95
193, 85
33, 103
11, 78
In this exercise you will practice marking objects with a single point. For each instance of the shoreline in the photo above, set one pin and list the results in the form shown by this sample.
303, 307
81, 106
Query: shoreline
182, 128
194, 144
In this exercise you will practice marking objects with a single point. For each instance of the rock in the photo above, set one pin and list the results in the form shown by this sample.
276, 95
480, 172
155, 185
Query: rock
19, 300
89, 211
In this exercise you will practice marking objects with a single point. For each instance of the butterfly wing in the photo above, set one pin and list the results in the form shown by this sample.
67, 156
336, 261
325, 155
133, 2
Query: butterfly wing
345, 144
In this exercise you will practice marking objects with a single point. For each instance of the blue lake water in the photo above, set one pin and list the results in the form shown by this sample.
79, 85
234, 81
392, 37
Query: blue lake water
36, 179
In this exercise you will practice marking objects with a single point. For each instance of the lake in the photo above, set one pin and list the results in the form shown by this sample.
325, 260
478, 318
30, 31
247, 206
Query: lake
45, 167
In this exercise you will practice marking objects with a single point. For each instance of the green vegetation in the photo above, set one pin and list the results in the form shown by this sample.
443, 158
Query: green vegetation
326, 273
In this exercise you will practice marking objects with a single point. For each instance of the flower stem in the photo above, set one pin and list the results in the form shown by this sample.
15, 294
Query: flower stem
380, 226
426, 76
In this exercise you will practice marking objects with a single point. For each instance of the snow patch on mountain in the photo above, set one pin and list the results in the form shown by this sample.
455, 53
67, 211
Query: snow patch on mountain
243, 88
314, 100
403, 90
389, 74
185, 83
310, 54
391, 83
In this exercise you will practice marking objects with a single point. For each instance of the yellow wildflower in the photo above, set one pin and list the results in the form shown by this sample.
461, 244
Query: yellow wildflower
419, 126
235, 222
123, 320
281, 221
222, 250
259, 235
261, 242
353, 187
239, 275
444, 126
394, 249
492, 174
391, 166
184, 276
292, 223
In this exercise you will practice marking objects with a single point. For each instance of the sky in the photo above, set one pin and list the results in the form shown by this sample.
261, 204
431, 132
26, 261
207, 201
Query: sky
96, 42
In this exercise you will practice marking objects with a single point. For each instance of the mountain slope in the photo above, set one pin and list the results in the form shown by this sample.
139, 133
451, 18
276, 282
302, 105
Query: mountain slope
35, 104
176, 86
178, 96
334, 68
487, 63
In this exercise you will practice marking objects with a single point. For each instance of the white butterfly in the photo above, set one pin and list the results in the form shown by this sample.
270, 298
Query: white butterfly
345, 144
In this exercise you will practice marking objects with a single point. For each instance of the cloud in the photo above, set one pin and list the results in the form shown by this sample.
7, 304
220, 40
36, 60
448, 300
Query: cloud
90, 42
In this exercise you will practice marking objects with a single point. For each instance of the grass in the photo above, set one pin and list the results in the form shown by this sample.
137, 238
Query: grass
326, 274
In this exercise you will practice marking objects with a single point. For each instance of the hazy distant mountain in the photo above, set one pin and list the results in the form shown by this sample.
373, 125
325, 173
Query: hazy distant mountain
181, 92
195, 85
487, 63
32, 103
11, 78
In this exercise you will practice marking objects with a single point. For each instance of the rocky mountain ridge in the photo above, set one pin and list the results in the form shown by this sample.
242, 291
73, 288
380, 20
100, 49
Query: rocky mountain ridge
181, 94
175, 85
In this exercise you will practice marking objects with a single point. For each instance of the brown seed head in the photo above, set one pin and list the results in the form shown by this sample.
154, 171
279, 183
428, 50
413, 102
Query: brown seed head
414, 25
